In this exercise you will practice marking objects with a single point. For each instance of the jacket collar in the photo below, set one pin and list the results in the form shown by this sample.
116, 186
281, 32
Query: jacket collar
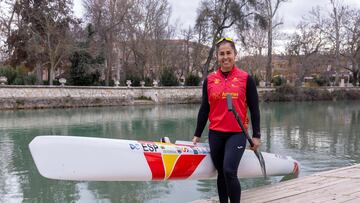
232, 71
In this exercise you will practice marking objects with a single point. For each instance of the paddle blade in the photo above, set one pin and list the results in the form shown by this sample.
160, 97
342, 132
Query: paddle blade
229, 102
262, 163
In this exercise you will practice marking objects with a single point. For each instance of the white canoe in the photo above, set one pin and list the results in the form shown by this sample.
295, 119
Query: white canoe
102, 159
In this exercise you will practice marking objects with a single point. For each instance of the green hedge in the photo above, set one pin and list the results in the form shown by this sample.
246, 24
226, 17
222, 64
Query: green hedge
17, 76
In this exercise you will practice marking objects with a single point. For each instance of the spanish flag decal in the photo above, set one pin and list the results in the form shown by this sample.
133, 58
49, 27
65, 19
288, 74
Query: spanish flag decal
166, 166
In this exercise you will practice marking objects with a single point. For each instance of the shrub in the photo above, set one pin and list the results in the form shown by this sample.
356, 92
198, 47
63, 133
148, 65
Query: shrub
30, 79
148, 81
321, 81
135, 80
257, 79
10, 73
168, 78
278, 80
83, 70
17, 76
192, 80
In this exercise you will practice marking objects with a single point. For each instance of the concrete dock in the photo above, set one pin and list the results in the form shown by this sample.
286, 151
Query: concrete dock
339, 185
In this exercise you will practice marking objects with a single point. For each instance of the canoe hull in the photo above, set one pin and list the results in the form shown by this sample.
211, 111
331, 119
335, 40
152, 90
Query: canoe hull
102, 159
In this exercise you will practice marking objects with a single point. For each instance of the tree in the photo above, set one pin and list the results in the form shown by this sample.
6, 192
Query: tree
41, 36
304, 44
81, 72
108, 18
7, 20
270, 8
216, 16
86, 59
254, 42
148, 30
350, 44
331, 26
168, 78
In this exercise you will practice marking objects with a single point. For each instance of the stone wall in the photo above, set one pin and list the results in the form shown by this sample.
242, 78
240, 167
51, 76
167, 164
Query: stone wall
23, 97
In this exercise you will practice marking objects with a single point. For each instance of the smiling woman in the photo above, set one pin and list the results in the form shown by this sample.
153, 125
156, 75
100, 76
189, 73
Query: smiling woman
226, 53
227, 140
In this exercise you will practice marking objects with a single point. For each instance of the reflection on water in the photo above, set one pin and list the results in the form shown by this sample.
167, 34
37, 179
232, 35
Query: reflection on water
321, 135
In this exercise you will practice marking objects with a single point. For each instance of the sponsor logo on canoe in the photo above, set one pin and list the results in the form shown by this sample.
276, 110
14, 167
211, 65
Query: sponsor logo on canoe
135, 146
281, 156
169, 151
149, 147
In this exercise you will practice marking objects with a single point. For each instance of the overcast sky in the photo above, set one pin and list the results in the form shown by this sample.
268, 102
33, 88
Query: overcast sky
291, 12
184, 11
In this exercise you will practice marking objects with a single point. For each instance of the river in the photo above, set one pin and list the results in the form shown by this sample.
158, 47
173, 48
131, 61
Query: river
320, 135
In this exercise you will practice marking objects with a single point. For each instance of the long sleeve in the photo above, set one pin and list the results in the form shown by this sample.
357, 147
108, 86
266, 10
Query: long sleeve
203, 114
252, 99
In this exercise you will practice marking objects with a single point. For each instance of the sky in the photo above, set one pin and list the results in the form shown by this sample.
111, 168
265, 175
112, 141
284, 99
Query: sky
184, 13
291, 12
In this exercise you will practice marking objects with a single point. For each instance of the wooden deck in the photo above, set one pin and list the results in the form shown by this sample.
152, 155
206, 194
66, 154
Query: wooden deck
339, 185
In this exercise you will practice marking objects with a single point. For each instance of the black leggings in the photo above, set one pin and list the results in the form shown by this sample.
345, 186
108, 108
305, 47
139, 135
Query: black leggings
226, 150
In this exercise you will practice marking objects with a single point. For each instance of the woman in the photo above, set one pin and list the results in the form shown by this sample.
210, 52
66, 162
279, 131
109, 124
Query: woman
226, 139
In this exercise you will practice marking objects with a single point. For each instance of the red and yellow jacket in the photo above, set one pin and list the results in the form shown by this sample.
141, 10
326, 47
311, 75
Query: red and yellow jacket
218, 86
214, 107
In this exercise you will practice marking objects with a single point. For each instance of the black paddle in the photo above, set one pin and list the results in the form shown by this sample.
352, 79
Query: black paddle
237, 117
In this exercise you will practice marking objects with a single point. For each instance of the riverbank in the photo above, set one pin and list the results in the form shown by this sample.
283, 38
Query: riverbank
28, 97
289, 93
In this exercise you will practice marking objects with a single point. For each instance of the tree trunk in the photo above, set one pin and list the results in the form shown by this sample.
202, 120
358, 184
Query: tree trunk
118, 67
337, 41
51, 75
39, 72
356, 74
269, 55
107, 70
208, 60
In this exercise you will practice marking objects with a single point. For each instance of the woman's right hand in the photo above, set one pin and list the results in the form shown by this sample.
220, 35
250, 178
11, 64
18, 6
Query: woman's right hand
195, 140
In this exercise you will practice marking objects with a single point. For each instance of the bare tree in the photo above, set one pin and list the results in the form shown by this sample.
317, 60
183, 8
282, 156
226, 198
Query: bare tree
216, 16
270, 8
332, 27
108, 17
147, 30
255, 41
350, 44
304, 44
7, 23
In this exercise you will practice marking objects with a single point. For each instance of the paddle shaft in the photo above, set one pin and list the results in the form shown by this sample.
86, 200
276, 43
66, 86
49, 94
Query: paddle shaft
238, 119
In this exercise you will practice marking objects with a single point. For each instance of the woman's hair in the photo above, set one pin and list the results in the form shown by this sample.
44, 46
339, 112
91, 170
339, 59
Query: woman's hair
226, 40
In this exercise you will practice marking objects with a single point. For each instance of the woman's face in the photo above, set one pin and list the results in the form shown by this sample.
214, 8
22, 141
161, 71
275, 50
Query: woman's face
226, 56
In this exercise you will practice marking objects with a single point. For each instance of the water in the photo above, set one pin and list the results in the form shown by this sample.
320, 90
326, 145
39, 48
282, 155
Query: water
320, 135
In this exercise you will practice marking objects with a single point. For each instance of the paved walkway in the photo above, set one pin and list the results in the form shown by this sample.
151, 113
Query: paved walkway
339, 185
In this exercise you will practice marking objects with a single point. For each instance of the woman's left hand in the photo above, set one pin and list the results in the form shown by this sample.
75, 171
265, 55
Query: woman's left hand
257, 143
